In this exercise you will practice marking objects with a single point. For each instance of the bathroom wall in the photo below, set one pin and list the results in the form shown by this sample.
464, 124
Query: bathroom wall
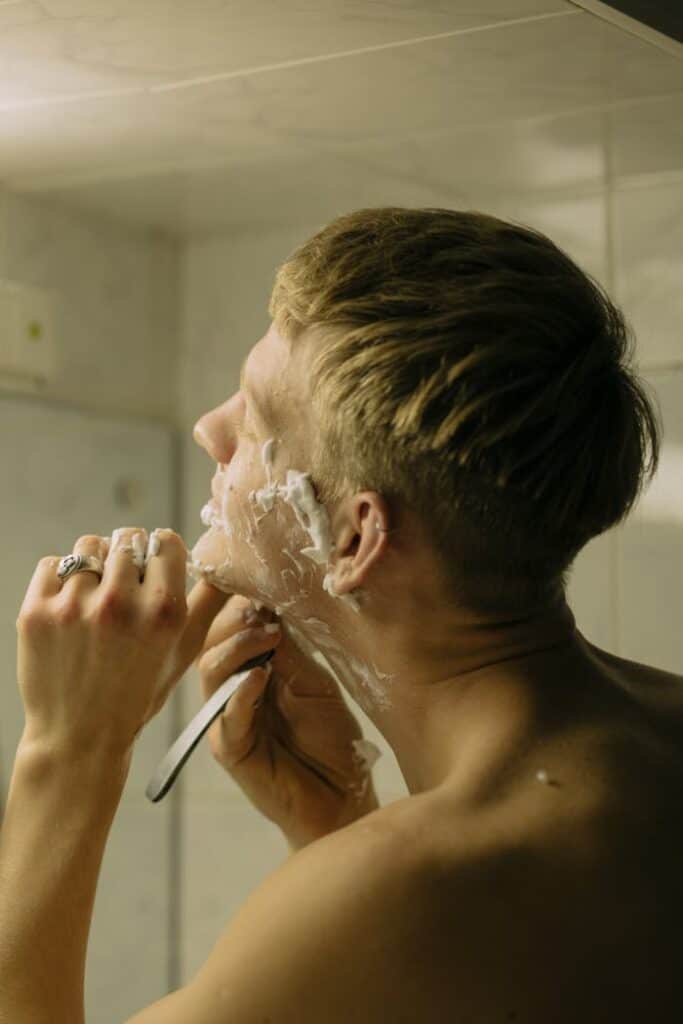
614, 203
116, 317
109, 413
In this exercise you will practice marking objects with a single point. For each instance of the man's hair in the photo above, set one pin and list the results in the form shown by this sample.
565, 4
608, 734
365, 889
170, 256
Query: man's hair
468, 370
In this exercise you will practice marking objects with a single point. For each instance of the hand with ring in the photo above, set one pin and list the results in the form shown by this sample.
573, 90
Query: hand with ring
100, 649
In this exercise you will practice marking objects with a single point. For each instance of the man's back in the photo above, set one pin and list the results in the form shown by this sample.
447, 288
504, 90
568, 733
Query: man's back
582, 834
542, 883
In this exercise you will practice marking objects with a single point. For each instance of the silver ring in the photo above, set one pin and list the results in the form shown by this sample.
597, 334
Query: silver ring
71, 564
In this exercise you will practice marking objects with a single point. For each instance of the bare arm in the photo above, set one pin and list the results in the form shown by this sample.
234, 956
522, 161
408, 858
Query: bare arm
59, 813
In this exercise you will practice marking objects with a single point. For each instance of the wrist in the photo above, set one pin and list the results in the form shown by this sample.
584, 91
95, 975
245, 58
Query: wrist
41, 756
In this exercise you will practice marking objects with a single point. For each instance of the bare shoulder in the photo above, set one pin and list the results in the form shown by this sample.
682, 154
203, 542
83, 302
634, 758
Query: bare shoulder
376, 922
357, 926
532, 922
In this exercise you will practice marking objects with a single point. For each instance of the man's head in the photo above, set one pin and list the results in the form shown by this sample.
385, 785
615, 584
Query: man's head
457, 379
270, 536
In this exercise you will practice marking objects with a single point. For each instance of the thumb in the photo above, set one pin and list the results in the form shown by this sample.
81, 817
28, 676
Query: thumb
203, 604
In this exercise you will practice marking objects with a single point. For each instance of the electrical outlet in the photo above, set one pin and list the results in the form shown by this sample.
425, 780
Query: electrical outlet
27, 341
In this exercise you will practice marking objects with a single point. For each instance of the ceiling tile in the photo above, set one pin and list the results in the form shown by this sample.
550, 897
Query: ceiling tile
513, 107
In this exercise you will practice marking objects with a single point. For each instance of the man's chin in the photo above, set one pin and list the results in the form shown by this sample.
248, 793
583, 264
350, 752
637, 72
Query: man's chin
213, 558
211, 553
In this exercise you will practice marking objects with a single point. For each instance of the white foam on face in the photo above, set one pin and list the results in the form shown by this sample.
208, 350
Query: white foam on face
360, 679
353, 673
311, 515
297, 564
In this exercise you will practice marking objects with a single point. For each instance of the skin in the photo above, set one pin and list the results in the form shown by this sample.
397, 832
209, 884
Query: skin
445, 665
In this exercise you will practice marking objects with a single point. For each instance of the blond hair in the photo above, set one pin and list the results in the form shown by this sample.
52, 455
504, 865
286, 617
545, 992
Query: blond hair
468, 370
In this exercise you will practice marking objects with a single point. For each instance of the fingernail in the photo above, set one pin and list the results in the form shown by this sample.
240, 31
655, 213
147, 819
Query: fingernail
139, 541
272, 627
153, 546
250, 616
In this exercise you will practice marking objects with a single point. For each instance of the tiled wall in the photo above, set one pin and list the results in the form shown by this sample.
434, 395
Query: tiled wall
116, 329
117, 311
617, 208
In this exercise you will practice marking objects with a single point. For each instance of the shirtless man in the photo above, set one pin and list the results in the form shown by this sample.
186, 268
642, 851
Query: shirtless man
534, 872
532, 875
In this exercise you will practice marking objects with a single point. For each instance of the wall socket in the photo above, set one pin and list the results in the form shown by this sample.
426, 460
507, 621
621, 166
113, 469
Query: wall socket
27, 340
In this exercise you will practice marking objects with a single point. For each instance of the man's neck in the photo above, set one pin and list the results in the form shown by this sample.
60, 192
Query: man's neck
431, 691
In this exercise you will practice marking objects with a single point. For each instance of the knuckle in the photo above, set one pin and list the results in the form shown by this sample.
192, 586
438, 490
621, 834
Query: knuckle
166, 610
114, 609
67, 612
31, 620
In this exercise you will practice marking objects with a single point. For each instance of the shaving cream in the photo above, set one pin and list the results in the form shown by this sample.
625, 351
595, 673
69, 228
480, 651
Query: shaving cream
313, 637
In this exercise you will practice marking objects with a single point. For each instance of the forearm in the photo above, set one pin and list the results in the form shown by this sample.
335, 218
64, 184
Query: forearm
59, 812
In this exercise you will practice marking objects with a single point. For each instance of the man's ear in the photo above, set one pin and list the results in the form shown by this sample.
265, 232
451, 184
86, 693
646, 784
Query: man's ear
360, 540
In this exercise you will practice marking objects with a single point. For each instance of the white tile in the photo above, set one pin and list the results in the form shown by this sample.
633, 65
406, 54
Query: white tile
648, 264
228, 850
154, 42
650, 566
128, 950
646, 137
454, 166
115, 314
590, 591
156, 157
64, 466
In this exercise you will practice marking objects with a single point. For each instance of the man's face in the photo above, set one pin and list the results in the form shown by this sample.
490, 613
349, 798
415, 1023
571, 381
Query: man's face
247, 546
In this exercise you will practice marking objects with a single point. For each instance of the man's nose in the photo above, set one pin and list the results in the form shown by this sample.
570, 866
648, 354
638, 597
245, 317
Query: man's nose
199, 434
213, 432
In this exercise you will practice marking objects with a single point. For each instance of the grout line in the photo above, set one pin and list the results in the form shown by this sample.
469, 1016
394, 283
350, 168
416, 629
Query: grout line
301, 61
187, 83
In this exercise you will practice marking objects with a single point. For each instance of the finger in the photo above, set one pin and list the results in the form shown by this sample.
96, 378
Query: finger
44, 583
204, 602
166, 564
218, 663
232, 618
124, 564
240, 712
83, 583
